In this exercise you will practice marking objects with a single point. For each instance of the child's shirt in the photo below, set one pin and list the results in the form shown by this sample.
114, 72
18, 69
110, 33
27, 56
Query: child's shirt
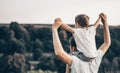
85, 41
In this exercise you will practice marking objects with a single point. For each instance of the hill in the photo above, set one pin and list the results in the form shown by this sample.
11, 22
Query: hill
34, 41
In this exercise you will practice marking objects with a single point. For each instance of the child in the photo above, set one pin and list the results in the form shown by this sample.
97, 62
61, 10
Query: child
84, 35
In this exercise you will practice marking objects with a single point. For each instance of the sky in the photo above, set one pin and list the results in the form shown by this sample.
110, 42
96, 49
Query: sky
45, 11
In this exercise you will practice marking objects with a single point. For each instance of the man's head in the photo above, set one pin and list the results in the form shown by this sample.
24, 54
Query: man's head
72, 44
81, 20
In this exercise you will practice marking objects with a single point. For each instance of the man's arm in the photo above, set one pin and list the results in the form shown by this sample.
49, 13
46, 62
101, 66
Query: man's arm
59, 51
67, 28
97, 22
107, 40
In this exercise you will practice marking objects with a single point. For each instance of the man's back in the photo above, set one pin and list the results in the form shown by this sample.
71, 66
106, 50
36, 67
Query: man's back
80, 66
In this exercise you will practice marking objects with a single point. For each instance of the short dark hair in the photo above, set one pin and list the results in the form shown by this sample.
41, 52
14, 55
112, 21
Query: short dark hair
72, 42
82, 20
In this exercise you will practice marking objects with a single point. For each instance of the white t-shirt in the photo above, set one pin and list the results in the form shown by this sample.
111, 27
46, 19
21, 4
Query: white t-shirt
85, 41
79, 66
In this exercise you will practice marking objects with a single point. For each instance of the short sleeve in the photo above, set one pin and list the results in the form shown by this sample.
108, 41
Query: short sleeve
100, 53
74, 29
96, 62
74, 64
92, 29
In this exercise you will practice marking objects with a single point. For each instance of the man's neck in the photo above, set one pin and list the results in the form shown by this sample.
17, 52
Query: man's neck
82, 27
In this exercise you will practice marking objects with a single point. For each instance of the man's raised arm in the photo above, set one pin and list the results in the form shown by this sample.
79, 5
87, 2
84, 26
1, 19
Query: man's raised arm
59, 51
107, 40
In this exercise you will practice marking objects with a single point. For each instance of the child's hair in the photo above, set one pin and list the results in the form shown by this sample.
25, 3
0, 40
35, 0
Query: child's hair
82, 20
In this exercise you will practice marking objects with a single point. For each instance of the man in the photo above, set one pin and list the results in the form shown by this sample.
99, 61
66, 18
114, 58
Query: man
77, 65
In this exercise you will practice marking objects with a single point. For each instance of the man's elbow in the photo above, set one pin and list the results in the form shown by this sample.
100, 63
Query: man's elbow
58, 53
108, 43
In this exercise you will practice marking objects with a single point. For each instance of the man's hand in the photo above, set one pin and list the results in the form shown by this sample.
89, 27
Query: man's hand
57, 23
103, 18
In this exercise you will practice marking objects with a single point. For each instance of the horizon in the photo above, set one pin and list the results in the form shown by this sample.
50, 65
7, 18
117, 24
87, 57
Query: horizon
49, 24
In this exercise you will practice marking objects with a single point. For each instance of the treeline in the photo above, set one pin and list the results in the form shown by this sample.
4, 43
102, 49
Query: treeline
34, 43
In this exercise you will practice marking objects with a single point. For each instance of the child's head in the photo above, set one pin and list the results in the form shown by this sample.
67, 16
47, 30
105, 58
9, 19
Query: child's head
81, 20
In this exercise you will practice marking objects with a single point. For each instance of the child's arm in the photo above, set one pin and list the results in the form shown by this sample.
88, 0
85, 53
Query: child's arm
97, 22
67, 28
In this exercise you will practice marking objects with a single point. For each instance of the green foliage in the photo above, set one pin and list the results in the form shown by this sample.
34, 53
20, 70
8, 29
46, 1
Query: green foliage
37, 40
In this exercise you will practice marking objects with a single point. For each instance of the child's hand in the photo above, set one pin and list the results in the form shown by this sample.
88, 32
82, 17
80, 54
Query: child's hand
57, 23
103, 18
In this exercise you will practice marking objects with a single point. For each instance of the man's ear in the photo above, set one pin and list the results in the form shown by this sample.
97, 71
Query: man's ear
73, 48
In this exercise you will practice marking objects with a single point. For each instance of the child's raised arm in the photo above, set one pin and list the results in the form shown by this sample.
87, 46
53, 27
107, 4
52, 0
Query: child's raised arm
97, 22
67, 28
